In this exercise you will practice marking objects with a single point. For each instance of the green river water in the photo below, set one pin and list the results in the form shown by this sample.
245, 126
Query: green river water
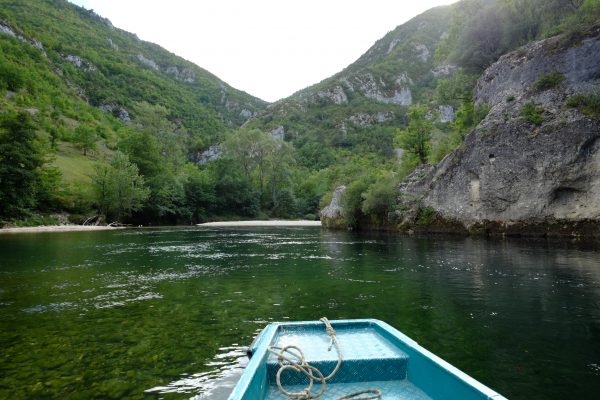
168, 313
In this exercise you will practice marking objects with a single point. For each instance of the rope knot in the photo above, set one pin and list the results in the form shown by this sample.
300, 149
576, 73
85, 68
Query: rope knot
296, 362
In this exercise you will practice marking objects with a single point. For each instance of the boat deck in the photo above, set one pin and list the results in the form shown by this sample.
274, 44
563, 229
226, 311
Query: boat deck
396, 390
370, 361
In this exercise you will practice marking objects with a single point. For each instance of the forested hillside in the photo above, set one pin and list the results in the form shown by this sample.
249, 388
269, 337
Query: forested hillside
95, 121
84, 90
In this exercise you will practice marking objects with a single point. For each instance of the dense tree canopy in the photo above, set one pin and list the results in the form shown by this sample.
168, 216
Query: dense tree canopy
20, 162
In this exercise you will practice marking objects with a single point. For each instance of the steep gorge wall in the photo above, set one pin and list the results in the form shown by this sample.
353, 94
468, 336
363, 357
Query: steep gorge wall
515, 176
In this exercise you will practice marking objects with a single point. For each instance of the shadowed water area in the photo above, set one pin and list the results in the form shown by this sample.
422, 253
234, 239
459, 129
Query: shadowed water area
168, 313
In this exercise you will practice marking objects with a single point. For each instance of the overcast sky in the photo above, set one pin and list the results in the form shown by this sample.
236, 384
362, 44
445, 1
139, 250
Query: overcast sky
268, 48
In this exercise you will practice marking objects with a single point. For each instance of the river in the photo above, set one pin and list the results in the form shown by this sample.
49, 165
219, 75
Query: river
167, 313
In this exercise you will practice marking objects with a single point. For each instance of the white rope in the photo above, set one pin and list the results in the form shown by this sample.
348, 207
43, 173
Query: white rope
292, 358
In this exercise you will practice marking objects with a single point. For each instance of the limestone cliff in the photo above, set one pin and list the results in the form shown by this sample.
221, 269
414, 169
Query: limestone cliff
532, 166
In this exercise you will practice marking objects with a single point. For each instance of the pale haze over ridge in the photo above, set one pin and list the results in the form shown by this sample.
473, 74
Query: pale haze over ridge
268, 48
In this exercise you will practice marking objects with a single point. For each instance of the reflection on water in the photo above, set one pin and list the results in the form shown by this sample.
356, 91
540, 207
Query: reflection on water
168, 313
215, 384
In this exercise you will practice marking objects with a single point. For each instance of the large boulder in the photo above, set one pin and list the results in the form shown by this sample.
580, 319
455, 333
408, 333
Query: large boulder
332, 216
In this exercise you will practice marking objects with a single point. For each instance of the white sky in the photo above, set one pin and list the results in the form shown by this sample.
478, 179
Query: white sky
268, 48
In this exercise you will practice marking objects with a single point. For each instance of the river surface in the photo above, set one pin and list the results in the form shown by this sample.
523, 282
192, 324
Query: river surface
168, 313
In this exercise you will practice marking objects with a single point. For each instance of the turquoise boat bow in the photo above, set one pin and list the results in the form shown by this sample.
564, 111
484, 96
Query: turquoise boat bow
349, 359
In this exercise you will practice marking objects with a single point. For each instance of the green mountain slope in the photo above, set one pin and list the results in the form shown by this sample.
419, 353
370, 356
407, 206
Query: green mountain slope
113, 69
415, 63
376, 90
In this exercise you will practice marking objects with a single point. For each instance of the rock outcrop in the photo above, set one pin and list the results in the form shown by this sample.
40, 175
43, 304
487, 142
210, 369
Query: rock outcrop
148, 61
182, 74
332, 216
117, 111
213, 153
278, 133
532, 166
80, 62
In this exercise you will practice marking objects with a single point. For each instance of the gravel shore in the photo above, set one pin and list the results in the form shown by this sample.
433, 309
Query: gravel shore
57, 228
263, 223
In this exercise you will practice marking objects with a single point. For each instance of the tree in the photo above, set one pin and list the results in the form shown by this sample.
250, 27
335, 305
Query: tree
381, 197
119, 188
143, 150
85, 138
20, 159
266, 162
459, 87
416, 139
199, 192
170, 139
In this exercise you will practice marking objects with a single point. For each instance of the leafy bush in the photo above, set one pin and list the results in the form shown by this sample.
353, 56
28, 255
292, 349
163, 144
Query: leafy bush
380, 197
37, 220
352, 201
532, 113
425, 215
548, 81
587, 104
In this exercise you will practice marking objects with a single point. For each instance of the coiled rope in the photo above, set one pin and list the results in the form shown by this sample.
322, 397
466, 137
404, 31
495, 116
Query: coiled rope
292, 358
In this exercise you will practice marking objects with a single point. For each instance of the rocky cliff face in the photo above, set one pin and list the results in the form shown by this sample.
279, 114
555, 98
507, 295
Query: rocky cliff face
533, 164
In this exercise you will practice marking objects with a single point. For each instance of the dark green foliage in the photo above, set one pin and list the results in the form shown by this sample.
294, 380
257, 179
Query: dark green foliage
36, 220
381, 197
459, 87
532, 113
548, 81
588, 104
425, 215
315, 155
284, 203
416, 139
85, 138
235, 195
352, 202
119, 188
482, 30
199, 194
20, 162
11, 76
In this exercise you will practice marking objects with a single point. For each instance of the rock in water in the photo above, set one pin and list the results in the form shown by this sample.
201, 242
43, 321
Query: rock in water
332, 216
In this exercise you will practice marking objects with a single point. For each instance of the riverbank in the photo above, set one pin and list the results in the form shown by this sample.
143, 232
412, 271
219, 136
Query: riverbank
57, 228
263, 223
